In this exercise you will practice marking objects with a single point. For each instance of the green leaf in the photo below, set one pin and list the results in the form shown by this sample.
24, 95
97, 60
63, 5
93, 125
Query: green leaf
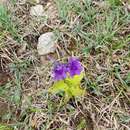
70, 87
77, 91
75, 80
4, 127
58, 87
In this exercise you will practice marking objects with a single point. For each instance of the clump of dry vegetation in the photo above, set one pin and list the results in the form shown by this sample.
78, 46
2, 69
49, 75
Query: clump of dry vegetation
98, 32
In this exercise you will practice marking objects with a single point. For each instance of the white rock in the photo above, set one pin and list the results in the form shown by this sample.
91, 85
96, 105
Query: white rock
37, 10
46, 43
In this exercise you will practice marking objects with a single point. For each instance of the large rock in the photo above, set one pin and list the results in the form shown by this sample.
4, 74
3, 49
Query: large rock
46, 43
37, 10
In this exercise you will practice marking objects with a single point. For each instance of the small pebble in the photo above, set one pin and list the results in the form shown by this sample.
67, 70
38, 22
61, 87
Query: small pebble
37, 10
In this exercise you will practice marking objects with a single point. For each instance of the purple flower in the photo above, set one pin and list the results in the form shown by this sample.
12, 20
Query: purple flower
59, 71
74, 66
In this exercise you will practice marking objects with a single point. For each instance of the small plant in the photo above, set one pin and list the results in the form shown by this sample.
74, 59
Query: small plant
7, 24
68, 78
